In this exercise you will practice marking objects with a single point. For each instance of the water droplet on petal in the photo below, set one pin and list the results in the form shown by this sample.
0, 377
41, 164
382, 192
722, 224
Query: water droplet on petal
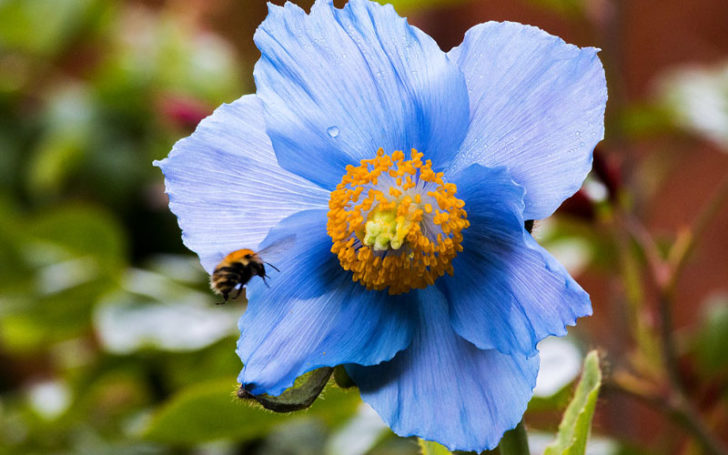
333, 131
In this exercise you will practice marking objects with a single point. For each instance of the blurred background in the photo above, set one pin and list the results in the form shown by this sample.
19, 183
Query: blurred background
110, 341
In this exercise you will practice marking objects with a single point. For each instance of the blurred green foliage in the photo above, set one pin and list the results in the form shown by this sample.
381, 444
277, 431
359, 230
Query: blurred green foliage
575, 427
109, 339
92, 314
60, 262
43, 28
209, 411
432, 448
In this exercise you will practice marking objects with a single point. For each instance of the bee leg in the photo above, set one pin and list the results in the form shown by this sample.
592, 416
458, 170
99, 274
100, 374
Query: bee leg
225, 299
265, 282
240, 291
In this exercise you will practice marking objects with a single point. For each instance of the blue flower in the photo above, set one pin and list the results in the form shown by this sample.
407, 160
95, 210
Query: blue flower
405, 174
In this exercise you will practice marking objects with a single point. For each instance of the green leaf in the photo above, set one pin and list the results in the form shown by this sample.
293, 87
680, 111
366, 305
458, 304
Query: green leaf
302, 395
645, 120
342, 377
576, 423
79, 232
514, 442
696, 98
561, 363
712, 338
432, 448
210, 411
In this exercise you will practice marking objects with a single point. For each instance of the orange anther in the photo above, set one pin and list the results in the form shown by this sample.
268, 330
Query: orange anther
420, 255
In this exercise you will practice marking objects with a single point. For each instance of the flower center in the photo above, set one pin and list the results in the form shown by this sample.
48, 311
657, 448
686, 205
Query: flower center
395, 223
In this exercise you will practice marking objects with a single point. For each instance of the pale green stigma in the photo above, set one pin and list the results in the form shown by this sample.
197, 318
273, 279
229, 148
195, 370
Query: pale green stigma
385, 230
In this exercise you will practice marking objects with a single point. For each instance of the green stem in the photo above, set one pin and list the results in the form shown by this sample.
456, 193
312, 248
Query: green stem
669, 350
681, 412
515, 441
677, 404
666, 275
679, 257
631, 276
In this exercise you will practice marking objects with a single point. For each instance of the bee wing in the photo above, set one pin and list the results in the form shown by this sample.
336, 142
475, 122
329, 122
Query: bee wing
274, 250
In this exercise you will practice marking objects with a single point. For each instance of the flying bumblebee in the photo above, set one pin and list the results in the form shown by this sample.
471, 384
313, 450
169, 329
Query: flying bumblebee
240, 266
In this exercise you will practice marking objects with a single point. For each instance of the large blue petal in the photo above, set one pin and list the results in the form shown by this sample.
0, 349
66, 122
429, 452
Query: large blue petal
314, 315
445, 389
338, 84
537, 107
507, 292
225, 186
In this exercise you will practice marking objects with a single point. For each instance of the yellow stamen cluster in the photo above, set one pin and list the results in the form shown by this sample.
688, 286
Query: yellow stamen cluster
376, 219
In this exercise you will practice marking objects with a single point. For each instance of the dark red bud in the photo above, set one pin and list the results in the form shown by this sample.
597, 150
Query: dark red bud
580, 206
183, 112
606, 168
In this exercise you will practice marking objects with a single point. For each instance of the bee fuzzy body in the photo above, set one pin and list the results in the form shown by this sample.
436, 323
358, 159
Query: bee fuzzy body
234, 272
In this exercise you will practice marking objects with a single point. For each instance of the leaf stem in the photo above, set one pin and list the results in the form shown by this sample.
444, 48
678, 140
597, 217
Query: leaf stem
680, 411
679, 256
666, 275
667, 341
515, 441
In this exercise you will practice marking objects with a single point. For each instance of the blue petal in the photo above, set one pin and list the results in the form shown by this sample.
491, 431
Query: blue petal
338, 84
507, 292
225, 185
537, 107
443, 388
314, 315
